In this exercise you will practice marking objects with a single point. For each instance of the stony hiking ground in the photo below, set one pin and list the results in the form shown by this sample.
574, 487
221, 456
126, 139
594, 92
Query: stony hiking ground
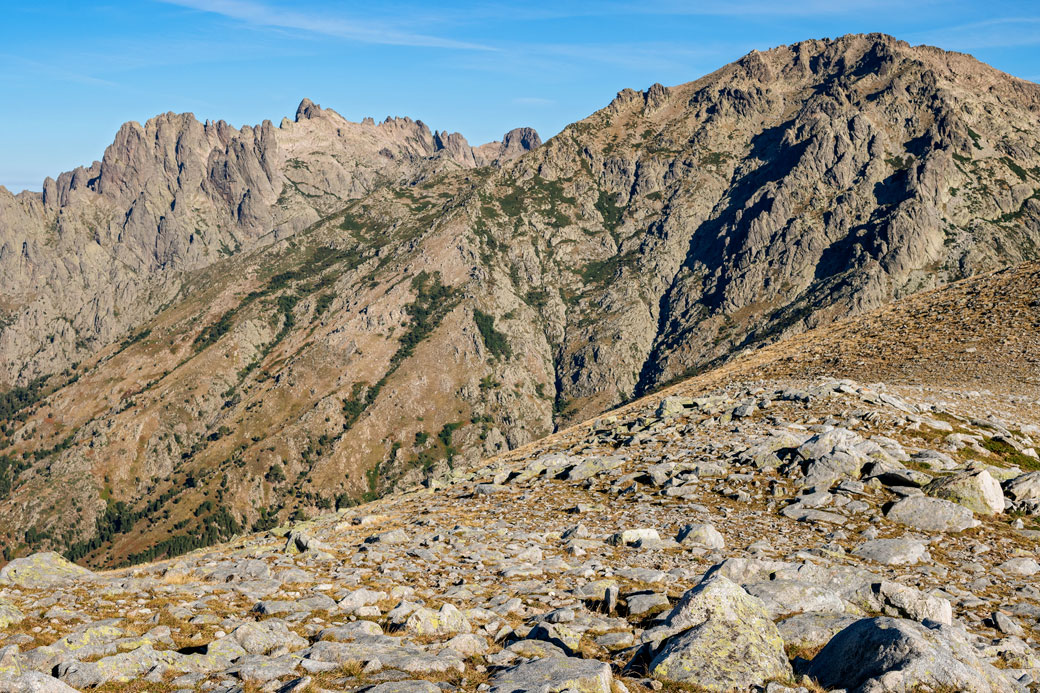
775, 535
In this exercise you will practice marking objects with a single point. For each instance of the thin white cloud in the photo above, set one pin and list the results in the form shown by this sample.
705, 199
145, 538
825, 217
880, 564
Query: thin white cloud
480, 11
1004, 32
258, 14
533, 101
57, 73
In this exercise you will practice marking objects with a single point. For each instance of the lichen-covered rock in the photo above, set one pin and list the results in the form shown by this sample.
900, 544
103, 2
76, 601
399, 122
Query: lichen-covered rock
894, 551
726, 640
932, 514
790, 596
43, 569
976, 490
265, 636
446, 621
554, 675
9, 614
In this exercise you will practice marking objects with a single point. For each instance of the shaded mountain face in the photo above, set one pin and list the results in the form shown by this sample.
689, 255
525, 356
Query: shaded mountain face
414, 321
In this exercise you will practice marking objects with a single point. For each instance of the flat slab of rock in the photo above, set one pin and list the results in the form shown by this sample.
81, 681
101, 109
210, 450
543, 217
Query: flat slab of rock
932, 514
1023, 566
894, 551
34, 682
554, 675
410, 686
813, 630
792, 596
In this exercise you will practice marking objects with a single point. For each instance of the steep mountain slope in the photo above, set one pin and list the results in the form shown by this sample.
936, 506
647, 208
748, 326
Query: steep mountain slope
429, 323
102, 248
977, 335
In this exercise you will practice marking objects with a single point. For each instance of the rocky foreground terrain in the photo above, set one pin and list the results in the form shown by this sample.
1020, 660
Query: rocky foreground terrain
748, 529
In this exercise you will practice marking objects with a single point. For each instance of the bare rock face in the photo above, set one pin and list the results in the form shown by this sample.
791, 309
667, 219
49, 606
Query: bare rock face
102, 247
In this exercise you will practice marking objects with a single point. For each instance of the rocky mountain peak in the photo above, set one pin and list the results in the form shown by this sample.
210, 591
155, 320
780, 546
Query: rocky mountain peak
519, 140
307, 110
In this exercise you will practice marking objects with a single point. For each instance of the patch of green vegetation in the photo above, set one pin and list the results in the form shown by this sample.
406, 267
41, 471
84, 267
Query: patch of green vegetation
135, 338
494, 341
563, 408
62, 445
10, 468
214, 331
512, 203
217, 527
715, 158
275, 475
602, 271
351, 223
1009, 455
539, 193
975, 138
606, 205
372, 479
537, 298
321, 306
899, 163
18, 399
433, 302
119, 518
1015, 168
445, 437
354, 406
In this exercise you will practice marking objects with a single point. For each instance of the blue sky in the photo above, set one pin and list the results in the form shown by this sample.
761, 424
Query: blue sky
72, 72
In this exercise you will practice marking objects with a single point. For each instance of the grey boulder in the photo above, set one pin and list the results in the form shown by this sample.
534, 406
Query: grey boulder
894, 551
553, 675
878, 655
725, 640
932, 514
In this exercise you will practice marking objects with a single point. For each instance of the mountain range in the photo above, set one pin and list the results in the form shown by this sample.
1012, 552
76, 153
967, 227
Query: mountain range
217, 329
